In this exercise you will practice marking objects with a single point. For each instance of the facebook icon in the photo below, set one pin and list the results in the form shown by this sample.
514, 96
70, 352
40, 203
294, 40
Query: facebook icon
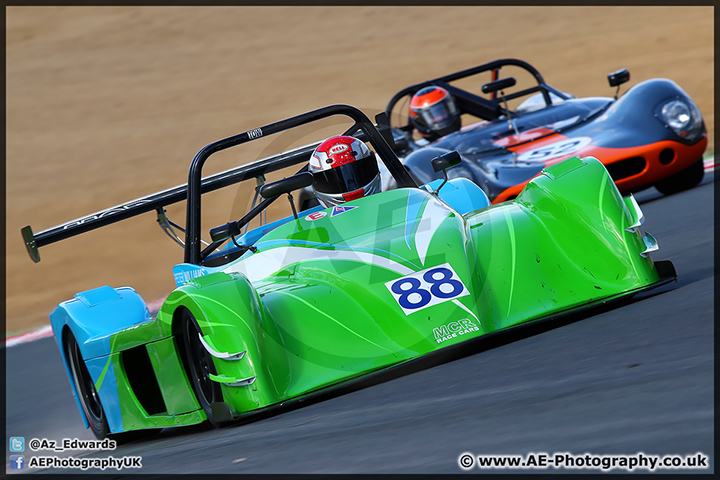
17, 462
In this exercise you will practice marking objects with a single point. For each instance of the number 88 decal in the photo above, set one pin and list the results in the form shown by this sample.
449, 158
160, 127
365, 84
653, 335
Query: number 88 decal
426, 288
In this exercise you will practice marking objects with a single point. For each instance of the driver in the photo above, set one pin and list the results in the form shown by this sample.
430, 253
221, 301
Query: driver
344, 169
433, 113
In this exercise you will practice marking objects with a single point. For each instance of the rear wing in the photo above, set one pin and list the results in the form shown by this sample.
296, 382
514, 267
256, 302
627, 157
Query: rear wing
379, 135
155, 201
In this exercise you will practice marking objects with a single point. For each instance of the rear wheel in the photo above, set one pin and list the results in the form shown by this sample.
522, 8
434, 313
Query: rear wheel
89, 398
200, 365
683, 180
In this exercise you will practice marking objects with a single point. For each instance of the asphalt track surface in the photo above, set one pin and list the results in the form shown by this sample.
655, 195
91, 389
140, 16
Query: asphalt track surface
638, 378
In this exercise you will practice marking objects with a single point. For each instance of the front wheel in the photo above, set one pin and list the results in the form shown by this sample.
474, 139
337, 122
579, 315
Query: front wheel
89, 398
682, 180
199, 367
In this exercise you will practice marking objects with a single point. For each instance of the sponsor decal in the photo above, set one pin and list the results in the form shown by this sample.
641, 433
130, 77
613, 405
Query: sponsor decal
339, 148
106, 213
185, 273
554, 150
340, 209
315, 216
256, 133
426, 288
452, 330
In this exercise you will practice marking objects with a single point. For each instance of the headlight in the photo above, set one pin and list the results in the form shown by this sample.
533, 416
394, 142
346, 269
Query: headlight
682, 117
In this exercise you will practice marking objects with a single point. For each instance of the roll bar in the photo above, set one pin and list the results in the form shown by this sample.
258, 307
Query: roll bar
196, 186
474, 104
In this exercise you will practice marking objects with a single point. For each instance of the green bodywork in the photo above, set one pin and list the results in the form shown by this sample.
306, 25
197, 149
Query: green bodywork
313, 307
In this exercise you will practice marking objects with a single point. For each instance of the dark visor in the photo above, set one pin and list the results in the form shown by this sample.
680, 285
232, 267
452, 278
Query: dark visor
437, 114
348, 177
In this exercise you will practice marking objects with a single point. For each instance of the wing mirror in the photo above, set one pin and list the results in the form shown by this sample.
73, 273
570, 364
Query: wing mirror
497, 85
223, 232
269, 190
615, 79
229, 230
446, 160
287, 185
443, 162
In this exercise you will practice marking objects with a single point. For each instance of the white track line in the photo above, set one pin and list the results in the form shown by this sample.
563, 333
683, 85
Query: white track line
43, 332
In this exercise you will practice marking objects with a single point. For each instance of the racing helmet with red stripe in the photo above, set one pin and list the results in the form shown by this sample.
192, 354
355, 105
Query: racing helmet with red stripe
433, 112
344, 169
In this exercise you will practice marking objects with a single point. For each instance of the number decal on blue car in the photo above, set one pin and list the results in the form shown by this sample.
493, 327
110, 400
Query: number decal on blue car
426, 288
554, 150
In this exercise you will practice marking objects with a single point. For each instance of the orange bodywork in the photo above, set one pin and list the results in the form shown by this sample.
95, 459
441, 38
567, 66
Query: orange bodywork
675, 157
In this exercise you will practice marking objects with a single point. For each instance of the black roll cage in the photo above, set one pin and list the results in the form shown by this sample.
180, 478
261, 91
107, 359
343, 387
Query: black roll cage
468, 102
362, 128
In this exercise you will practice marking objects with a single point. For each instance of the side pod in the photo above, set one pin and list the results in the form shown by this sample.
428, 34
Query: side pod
568, 240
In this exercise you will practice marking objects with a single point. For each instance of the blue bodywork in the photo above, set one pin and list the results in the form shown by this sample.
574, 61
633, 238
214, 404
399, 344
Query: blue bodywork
117, 309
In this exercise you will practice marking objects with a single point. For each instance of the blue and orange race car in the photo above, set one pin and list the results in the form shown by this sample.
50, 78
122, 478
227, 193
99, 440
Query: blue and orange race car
652, 135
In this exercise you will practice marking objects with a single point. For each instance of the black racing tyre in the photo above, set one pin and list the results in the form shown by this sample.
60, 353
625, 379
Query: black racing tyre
89, 398
682, 180
199, 365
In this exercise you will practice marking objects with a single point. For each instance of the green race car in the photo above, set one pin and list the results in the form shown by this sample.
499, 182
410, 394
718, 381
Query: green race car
330, 297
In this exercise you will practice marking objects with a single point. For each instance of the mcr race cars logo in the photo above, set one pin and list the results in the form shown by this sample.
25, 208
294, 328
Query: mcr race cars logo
454, 329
